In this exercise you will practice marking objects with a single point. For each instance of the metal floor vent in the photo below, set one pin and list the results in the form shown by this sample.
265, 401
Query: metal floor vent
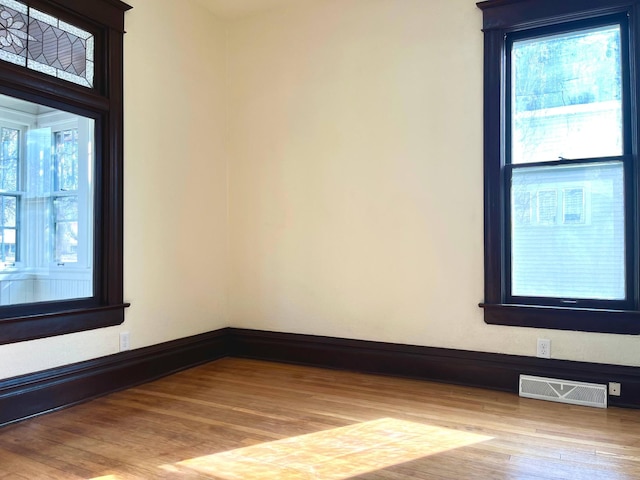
564, 391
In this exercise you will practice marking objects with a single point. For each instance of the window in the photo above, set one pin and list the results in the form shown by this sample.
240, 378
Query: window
573, 206
547, 207
8, 198
521, 204
561, 164
65, 197
60, 167
46, 204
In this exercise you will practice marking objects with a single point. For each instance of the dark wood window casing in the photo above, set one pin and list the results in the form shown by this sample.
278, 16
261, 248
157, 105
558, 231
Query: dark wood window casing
102, 102
504, 20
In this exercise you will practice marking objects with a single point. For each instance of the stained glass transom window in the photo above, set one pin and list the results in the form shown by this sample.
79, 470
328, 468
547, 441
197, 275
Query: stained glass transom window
38, 41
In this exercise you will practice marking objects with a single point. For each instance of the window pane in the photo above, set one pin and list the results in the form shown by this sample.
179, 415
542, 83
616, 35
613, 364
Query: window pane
65, 147
41, 42
567, 96
547, 207
573, 211
8, 216
522, 207
573, 247
60, 49
66, 229
8, 210
46, 224
9, 159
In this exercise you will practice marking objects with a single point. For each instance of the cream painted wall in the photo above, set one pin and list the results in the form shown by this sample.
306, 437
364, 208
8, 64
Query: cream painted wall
175, 189
242, 8
352, 130
355, 141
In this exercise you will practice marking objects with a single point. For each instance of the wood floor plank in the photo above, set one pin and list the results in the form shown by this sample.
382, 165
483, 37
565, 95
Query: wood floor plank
245, 419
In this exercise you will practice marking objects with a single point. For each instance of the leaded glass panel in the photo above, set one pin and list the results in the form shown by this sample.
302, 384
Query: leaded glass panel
41, 42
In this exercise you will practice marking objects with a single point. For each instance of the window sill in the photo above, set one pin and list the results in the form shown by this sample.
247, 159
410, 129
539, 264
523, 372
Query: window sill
563, 318
18, 329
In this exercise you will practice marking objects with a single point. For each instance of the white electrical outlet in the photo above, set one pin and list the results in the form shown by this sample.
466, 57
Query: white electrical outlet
614, 389
544, 348
124, 341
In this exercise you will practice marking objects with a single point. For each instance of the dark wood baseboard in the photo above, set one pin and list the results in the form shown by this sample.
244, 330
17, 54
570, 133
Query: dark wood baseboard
476, 369
36, 393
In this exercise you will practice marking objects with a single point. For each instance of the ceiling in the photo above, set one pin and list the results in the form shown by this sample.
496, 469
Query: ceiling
243, 8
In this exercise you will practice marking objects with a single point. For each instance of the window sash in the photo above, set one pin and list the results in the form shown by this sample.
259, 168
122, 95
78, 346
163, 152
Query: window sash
547, 213
547, 228
9, 230
582, 111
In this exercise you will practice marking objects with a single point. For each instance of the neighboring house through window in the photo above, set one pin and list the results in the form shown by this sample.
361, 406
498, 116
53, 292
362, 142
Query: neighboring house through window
573, 211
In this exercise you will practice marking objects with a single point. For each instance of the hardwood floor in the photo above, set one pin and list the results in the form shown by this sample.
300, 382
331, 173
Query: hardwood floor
245, 419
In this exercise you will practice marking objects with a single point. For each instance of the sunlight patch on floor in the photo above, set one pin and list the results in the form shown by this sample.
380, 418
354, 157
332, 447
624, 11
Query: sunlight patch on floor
334, 454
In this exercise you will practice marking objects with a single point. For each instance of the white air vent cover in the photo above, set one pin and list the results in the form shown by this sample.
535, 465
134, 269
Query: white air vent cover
564, 391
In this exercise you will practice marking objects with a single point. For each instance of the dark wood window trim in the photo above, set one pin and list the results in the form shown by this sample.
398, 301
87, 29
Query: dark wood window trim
103, 103
502, 18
